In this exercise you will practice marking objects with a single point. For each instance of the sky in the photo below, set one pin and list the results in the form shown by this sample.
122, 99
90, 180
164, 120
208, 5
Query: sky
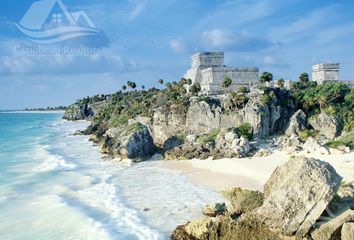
152, 39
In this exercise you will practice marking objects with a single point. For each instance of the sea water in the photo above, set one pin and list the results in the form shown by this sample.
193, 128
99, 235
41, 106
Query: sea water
55, 185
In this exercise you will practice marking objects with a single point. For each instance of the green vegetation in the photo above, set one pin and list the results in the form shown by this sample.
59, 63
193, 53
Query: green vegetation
236, 100
347, 140
305, 134
266, 77
136, 127
226, 82
333, 98
245, 130
304, 78
195, 88
209, 137
280, 82
128, 105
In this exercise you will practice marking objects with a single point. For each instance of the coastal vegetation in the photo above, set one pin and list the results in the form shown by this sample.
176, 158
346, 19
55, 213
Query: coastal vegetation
179, 109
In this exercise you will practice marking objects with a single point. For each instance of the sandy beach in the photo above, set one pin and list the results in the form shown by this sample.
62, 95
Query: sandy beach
250, 173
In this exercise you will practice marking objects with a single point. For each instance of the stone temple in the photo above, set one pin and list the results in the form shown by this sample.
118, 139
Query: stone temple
209, 71
325, 72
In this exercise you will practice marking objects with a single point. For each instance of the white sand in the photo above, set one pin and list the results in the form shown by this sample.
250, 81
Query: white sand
250, 173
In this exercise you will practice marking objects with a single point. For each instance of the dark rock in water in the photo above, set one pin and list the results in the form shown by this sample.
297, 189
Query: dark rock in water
132, 141
147, 209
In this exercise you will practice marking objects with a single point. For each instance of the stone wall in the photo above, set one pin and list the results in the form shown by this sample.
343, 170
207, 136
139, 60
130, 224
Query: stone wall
208, 59
325, 72
212, 78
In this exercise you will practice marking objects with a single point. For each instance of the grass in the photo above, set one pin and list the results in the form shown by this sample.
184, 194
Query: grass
209, 137
347, 140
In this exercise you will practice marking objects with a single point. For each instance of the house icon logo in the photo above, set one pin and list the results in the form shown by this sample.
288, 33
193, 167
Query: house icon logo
49, 21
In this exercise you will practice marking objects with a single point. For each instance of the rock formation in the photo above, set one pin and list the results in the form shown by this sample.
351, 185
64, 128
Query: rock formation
133, 142
327, 125
295, 196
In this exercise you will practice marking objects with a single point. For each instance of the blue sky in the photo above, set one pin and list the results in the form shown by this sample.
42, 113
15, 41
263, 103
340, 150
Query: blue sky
152, 39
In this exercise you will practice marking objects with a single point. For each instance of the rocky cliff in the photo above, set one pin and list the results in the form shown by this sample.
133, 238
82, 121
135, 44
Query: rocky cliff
183, 126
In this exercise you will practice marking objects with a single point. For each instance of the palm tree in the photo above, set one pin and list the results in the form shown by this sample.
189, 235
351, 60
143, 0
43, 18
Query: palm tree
124, 87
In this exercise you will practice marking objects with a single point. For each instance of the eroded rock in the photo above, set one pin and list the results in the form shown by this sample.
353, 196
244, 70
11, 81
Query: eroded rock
242, 200
296, 194
347, 232
328, 125
212, 210
132, 141
326, 231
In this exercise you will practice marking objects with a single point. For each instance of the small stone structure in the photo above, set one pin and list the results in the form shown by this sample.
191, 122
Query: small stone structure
324, 72
209, 71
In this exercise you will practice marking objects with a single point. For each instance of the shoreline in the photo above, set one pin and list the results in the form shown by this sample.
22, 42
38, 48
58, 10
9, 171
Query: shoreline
251, 173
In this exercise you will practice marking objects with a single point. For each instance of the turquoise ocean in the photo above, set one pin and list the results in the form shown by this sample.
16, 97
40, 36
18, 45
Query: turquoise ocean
55, 185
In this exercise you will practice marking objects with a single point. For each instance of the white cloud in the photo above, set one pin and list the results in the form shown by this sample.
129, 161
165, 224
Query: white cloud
138, 6
306, 25
178, 45
218, 39
64, 64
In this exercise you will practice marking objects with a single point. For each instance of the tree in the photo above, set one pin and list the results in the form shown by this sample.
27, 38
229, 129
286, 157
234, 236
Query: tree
304, 78
243, 89
124, 87
227, 82
168, 85
195, 88
189, 81
280, 82
131, 84
266, 77
160, 81
142, 87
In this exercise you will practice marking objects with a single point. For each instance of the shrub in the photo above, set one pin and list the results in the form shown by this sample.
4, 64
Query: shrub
209, 137
243, 90
245, 130
304, 77
227, 82
305, 134
266, 77
346, 140
195, 88
136, 127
